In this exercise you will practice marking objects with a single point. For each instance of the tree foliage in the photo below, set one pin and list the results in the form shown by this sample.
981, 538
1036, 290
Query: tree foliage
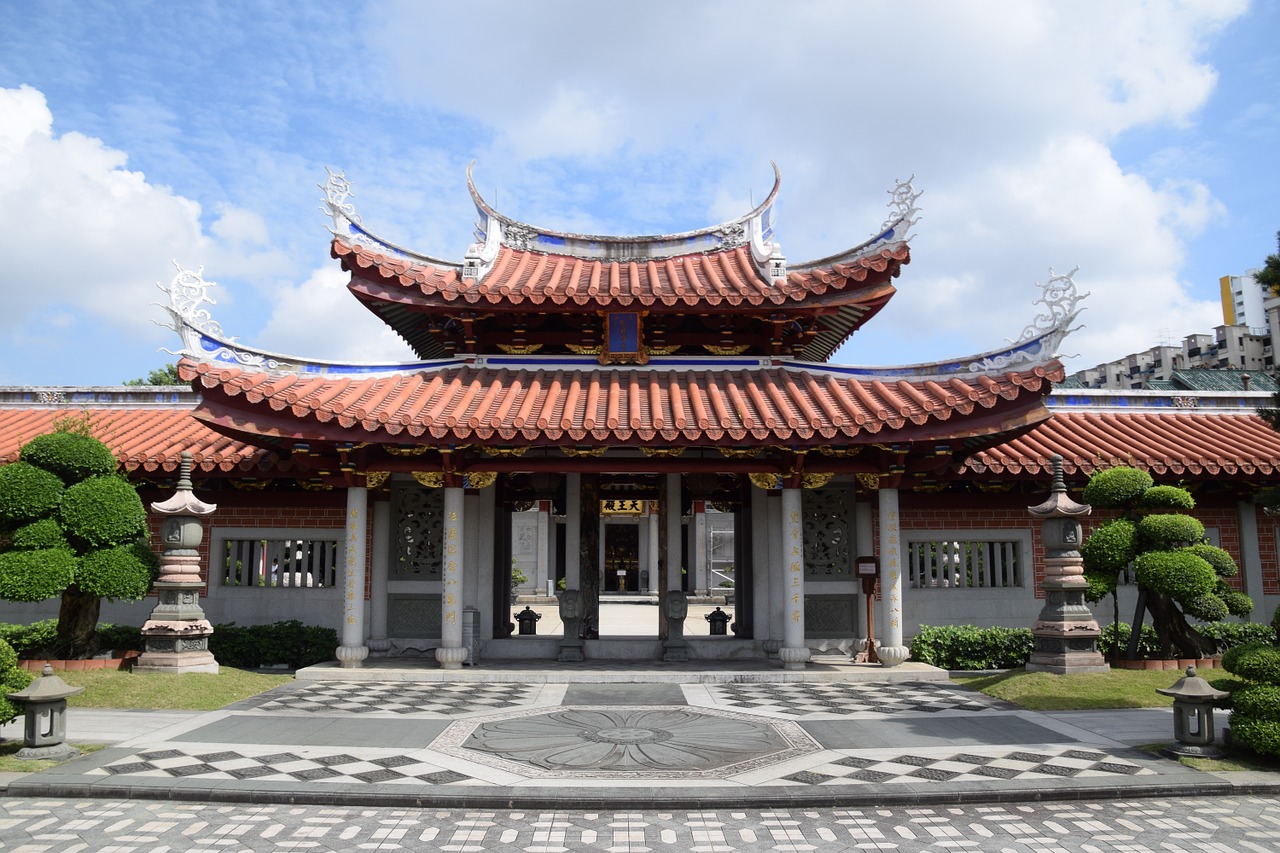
1177, 572
1269, 276
70, 526
167, 375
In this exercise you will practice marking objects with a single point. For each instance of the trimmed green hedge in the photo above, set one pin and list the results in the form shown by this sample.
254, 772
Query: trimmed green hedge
290, 643
970, 647
1230, 634
1167, 497
12, 679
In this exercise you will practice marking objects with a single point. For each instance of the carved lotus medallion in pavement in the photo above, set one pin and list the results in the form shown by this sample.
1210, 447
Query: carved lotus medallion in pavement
665, 742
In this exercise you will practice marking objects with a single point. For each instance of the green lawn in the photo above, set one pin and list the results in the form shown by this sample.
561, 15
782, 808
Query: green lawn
1043, 691
193, 691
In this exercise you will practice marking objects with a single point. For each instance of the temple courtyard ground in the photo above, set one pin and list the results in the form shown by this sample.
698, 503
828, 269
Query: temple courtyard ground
525, 755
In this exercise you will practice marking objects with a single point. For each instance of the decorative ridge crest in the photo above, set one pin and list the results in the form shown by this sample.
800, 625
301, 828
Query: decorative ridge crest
1061, 299
202, 336
903, 215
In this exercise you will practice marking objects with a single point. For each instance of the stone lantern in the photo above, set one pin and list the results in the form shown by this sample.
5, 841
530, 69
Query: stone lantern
1193, 699
45, 715
1066, 634
177, 634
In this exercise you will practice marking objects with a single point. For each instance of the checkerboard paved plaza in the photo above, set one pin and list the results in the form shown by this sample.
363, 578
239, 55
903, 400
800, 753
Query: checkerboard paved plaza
612, 744
1177, 825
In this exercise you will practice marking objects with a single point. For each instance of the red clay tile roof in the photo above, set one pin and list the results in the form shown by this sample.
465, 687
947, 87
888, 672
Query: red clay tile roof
144, 439
1196, 444
713, 279
553, 405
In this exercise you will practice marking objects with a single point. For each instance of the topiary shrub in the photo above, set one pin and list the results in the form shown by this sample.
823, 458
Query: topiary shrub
1208, 608
35, 575
1256, 662
1238, 604
1167, 497
1116, 488
125, 571
1170, 530
12, 679
72, 456
27, 493
1180, 575
1224, 565
102, 511
45, 533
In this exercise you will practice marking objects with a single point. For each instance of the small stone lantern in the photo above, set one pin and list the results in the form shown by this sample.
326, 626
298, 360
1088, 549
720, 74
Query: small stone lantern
719, 622
528, 619
1193, 699
45, 712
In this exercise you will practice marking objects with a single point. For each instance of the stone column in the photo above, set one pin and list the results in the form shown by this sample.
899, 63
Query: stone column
777, 571
794, 651
864, 527
353, 650
452, 653
652, 521
892, 651
698, 545
675, 536
177, 634
541, 572
1250, 556
573, 531
378, 641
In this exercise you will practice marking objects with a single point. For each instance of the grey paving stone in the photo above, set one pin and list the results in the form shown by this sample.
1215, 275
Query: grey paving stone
623, 694
316, 731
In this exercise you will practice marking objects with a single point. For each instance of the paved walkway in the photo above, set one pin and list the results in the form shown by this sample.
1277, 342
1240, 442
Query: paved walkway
683, 742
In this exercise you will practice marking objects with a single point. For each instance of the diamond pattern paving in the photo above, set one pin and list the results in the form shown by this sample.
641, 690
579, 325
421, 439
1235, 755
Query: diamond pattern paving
400, 697
281, 766
1040, 764
799, 700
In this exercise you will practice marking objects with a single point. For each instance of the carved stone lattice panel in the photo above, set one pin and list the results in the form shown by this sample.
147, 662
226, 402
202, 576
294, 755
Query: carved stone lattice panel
831, 616
418, 537
828, 534
413, 617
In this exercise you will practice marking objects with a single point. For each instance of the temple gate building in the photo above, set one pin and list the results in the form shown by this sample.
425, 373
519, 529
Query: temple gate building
583, 405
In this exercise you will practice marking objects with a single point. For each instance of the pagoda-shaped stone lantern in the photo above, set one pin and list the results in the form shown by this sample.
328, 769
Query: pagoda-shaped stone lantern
177, 634
1066, 634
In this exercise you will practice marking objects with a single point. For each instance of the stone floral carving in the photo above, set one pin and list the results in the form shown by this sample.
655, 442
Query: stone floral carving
641, 740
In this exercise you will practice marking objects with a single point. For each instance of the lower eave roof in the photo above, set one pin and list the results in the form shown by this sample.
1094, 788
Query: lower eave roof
1206, 445
615, 406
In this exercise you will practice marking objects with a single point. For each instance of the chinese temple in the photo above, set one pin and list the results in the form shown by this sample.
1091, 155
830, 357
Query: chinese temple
593, 409
592, 372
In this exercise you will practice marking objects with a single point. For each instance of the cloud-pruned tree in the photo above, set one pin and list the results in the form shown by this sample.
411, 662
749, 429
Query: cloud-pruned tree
71, 526
1177, 572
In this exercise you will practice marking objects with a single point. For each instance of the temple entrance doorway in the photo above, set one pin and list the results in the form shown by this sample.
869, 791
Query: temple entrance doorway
622, 572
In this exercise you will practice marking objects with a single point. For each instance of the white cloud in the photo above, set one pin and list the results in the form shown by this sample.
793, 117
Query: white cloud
320, 319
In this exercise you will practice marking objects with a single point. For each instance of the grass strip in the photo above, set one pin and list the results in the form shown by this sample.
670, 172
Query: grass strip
191, 691
1044, 691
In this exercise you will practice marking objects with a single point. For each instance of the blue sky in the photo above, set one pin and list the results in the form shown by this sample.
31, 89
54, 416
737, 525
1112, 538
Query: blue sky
1137, 141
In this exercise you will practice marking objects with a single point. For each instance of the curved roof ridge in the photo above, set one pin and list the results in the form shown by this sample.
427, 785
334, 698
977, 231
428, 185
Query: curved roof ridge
1037, 345
522, 235
347, 224
903, 215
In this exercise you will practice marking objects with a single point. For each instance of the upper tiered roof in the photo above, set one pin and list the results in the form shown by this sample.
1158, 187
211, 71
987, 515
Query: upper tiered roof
720, 288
